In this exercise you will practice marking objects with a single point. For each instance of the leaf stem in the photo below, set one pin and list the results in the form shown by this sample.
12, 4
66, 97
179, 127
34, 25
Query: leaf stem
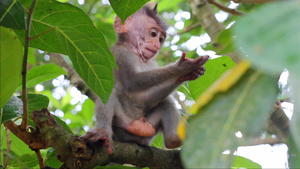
24, 71
43, 33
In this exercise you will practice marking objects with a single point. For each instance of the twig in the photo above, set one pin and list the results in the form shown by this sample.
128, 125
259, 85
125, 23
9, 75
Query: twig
40, 158
91, 7
252, 1
189, 28
24, 71
226, 9
73, 76
8, 141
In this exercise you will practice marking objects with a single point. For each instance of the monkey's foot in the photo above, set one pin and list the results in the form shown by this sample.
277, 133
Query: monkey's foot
173, 142
99, 134
141, 127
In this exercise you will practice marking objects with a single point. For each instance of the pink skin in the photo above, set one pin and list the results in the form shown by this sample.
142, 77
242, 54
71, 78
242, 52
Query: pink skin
145, 45
141, 127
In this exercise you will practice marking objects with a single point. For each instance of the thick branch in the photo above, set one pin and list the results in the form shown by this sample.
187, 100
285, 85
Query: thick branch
206, 16
74, 153
33, 140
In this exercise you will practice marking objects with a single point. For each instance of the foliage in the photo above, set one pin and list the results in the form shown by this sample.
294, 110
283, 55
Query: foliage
227, 103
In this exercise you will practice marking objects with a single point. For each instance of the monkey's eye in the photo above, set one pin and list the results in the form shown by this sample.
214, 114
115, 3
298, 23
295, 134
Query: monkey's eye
162, 38
153, 32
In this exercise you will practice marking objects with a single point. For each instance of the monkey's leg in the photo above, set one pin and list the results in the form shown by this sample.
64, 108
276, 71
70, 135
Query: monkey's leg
167, 116
139, 127
103, 129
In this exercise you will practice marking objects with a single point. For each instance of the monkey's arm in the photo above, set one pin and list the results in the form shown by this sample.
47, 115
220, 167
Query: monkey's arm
135, 79
158, 93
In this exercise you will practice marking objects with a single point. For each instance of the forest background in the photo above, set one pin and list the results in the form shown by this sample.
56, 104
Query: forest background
239, 102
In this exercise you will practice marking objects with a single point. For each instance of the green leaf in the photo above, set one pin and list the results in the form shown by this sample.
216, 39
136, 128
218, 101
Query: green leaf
75, 35
62, 123
294, 153
243, 108
12, 14
241, 162
126, 8
51, 159
18, 146
272, 41
37, 102
25, 160
295, 122
13, 108
214, 69
43, 73
226, 42
11, 63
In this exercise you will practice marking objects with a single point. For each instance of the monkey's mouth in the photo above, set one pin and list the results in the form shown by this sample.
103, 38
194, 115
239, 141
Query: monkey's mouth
153, 51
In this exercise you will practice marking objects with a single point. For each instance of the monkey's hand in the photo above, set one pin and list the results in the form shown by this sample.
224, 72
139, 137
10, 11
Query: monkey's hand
99, 134
193, 75
196, 64
141, 127
191, 68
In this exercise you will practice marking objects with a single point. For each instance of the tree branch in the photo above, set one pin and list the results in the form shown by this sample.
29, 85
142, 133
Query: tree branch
189, 28
24, 71
252, 1
73, 76
226, 9
33, 140
8, 149
206, 16
74, 153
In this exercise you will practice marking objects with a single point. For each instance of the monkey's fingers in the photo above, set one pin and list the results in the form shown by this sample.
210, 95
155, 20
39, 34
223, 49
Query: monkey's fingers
141, 127
108, 143
204, 60
182, 58
201, 70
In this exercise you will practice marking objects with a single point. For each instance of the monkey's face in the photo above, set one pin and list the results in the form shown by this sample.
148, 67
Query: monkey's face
147, 36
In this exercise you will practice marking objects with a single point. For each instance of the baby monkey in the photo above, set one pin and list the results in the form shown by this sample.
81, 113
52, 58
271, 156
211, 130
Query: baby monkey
141, 104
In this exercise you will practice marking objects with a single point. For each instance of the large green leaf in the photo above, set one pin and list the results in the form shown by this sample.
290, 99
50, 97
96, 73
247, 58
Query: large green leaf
43, 73
214, 69
295, 122
75, 35
12, 109
14, 106
12, 14
126, 8
243, 108
272, 41
272, 44
37, 102
11, 63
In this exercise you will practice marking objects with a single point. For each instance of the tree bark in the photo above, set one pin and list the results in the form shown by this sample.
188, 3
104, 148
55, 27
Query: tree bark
74, 153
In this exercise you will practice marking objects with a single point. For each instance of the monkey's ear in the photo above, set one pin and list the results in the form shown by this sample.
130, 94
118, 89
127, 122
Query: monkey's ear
119, 26
155, 8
